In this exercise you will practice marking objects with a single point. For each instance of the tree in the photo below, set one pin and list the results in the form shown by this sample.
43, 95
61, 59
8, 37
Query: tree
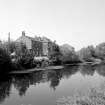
87, 54
68, 54
5, 61
100, 51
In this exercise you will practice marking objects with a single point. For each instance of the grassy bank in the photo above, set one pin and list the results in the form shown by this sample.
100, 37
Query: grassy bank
93, 97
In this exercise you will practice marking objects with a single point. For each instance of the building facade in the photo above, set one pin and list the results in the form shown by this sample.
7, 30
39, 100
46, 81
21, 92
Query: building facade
39, 46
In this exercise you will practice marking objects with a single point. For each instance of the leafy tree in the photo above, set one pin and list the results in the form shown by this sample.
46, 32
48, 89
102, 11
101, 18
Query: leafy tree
100, 51
10, 46
87, 54
68, 54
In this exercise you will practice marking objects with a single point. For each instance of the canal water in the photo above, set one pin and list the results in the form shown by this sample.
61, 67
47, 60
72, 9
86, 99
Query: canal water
45, 87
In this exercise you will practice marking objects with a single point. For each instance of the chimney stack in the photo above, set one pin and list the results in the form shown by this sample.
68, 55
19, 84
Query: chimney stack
23, 33
9, 37
8, 41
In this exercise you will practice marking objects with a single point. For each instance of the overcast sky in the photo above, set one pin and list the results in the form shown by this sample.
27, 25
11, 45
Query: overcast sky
76, 22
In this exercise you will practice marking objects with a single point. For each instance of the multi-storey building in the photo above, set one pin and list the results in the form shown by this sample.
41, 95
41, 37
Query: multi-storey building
41, 46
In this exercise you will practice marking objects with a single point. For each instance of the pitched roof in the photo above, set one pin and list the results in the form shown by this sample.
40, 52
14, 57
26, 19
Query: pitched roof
36, 38
40, 39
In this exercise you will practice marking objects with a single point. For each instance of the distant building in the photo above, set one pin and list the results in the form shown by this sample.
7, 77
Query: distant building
41, 46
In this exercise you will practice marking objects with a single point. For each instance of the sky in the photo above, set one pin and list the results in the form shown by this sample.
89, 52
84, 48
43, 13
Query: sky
77, 22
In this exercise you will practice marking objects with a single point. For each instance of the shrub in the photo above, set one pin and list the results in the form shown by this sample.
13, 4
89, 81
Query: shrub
25, 60
5, 61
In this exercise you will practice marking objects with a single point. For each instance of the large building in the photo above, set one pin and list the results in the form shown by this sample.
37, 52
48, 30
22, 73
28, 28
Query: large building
41, 46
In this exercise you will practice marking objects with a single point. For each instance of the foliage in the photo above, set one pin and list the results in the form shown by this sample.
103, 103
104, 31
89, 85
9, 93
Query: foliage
87, 54
58, 55
25, 60
12, 46
68, 54
5, 61
94, 97
100, 51
23, 57
55, 55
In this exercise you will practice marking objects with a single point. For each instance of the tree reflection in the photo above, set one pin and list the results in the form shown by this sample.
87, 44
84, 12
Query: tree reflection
22, 82
100, 69
5, 87
87, 70
54, 78
69, 70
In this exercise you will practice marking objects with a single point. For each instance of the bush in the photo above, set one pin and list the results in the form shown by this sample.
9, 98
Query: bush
25, 61
5, 61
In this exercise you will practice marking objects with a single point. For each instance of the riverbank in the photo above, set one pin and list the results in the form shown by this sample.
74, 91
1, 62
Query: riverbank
37, 69
52, 67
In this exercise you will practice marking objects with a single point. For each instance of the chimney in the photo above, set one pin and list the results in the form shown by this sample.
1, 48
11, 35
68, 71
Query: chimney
8, 41
23, 33
9, 37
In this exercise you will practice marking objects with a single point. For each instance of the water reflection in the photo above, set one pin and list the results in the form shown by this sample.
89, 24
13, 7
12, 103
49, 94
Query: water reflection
87, 70
100, 69
5, 88
22, 82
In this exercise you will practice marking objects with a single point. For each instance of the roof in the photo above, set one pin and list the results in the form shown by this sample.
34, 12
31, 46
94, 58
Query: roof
39, 39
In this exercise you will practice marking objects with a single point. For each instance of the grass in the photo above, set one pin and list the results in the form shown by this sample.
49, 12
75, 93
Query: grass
93, 97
